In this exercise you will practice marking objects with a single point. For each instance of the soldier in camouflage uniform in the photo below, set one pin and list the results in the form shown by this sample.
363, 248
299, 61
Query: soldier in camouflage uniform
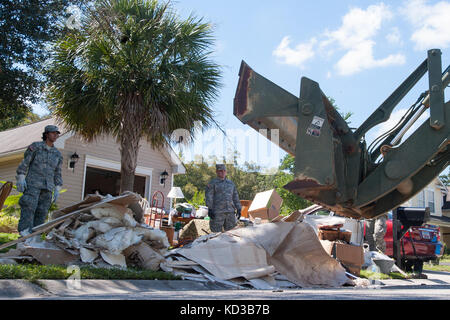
375, 232
39, 177
222, 200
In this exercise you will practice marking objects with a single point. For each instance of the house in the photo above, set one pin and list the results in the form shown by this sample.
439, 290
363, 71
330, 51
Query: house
97, 167
431, 196
445, 229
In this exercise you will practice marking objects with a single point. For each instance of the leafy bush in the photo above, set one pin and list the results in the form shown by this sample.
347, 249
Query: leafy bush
198, 199
8, 223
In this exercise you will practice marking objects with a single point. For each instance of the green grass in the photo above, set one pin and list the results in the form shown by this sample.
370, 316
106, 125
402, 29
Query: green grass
440, 267
34, 272
7, 237
380, 276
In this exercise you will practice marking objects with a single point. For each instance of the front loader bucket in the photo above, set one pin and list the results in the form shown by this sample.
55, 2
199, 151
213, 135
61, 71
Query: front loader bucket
309, 128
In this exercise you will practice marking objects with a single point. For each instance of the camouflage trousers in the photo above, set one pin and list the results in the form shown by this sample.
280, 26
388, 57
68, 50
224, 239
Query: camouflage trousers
34, 205
375, 232
227, 221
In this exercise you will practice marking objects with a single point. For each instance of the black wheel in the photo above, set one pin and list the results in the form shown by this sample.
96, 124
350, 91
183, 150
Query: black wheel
418, 266
408, 265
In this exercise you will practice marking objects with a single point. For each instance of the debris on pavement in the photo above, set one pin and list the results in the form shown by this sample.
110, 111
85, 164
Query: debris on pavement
105, 231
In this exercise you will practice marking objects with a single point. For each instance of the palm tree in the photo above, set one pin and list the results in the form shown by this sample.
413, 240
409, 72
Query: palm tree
134, 69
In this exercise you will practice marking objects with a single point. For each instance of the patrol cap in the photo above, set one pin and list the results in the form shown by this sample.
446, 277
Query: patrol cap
51, 128
221, 167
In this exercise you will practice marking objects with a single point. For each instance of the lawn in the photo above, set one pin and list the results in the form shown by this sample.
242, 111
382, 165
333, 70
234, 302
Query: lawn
34, 272
7, 237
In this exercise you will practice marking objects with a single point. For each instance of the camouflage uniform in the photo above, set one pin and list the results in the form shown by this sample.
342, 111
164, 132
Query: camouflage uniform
375, 232
221, 197
42, 166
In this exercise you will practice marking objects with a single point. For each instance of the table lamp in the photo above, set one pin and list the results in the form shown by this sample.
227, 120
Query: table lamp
175, 193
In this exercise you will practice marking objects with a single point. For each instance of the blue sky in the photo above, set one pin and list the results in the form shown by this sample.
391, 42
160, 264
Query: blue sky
358, 51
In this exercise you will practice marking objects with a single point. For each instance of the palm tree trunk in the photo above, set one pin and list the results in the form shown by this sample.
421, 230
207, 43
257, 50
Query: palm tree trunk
131, 133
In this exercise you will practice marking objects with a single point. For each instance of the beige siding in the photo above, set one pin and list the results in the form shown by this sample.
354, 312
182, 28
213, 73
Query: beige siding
8, 171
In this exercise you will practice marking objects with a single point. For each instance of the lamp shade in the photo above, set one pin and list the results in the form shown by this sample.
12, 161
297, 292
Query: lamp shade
175, 192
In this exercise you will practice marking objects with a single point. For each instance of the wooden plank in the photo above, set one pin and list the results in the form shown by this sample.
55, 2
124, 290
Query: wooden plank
21, 239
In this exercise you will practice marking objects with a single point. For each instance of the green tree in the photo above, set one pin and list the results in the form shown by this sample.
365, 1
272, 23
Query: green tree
28, 118
291, 201
27, 27
134, 70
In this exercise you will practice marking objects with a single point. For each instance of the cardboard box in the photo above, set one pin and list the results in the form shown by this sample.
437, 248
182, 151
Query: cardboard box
351, 256
266, 205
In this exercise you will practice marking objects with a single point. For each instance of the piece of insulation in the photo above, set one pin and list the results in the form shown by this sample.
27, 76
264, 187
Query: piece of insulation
84, 233
153, 235
116, 211
87, 255
118, 239
114, 259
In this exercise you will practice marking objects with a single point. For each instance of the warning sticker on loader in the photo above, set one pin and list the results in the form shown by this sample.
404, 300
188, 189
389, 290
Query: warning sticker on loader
315, 126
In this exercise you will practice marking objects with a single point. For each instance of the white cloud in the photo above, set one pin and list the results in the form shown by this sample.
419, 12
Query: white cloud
294, 56
355, 36
359, 25
394, 37
431, 23
360, 57
354, 40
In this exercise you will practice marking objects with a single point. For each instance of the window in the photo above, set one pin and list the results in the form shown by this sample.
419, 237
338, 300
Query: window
421, 199
430, 199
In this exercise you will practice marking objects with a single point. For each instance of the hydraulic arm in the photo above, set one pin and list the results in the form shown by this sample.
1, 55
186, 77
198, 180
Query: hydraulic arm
333, 165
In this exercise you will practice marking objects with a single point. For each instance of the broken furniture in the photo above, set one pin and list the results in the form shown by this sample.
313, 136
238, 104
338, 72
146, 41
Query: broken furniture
334, 232
5, 190
156, 217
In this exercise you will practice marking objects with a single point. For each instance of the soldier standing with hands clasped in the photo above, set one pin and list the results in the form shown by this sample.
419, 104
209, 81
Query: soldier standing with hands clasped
222, 200
39, 177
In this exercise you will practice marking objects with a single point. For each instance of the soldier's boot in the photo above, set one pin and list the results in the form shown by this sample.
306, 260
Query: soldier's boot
45, 201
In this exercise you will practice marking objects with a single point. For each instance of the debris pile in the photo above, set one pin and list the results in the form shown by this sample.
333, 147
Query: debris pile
264, 256
99, 231
106, 231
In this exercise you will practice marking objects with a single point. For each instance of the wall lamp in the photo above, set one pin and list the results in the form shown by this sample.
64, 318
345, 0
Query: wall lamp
73, 159
163, 177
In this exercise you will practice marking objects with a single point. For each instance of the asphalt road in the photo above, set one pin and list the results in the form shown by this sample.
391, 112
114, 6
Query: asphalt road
436, 287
